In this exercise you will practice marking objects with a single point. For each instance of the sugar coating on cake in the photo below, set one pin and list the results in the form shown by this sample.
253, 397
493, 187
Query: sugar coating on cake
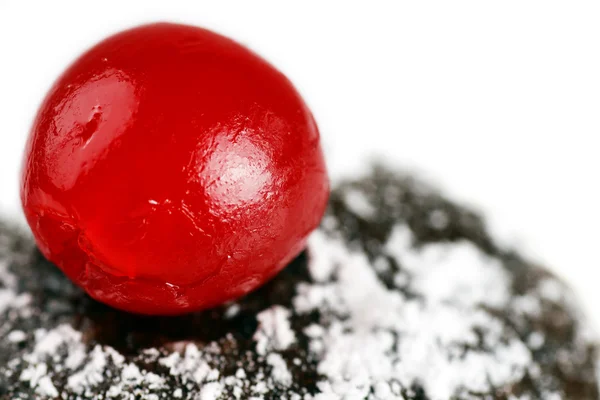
400, 295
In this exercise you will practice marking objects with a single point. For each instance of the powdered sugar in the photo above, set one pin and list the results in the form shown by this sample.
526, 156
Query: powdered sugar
211, 391
453, 272
274, 332
63, 346
357, 202
38, 380
192, 366
16, 336
7, 293
46, 388
47, 343
386, 337
279, 371
92, 373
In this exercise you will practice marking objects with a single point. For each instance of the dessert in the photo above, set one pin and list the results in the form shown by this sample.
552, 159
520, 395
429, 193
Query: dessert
170, 169
401, 294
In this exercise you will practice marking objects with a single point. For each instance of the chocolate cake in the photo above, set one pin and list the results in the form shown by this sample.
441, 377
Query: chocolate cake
401, 294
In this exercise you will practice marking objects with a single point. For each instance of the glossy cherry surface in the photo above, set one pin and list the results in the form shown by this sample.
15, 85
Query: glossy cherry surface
170, 169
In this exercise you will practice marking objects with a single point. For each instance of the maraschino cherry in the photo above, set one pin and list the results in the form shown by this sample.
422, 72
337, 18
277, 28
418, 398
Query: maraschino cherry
171, 169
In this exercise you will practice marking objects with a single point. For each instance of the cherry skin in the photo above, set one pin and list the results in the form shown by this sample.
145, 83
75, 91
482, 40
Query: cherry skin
170, 169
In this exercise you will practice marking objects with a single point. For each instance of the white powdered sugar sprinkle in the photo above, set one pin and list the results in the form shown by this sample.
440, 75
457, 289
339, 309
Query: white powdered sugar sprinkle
7, 292
357, 202
191, 366
280, 372
274, 331
385, 337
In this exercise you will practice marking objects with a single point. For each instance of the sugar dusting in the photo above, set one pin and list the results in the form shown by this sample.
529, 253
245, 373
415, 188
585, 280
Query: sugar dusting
7, 289
385, 337
274, 332
372, 341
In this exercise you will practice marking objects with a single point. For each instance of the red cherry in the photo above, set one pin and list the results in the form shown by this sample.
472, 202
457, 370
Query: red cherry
171, 169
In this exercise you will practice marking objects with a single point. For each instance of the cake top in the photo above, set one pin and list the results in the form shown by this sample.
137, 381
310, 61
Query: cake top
400, 295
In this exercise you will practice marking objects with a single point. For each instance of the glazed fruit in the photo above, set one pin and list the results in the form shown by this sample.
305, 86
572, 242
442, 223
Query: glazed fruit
170, 169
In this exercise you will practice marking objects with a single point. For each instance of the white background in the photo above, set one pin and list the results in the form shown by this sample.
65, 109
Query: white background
498, 103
